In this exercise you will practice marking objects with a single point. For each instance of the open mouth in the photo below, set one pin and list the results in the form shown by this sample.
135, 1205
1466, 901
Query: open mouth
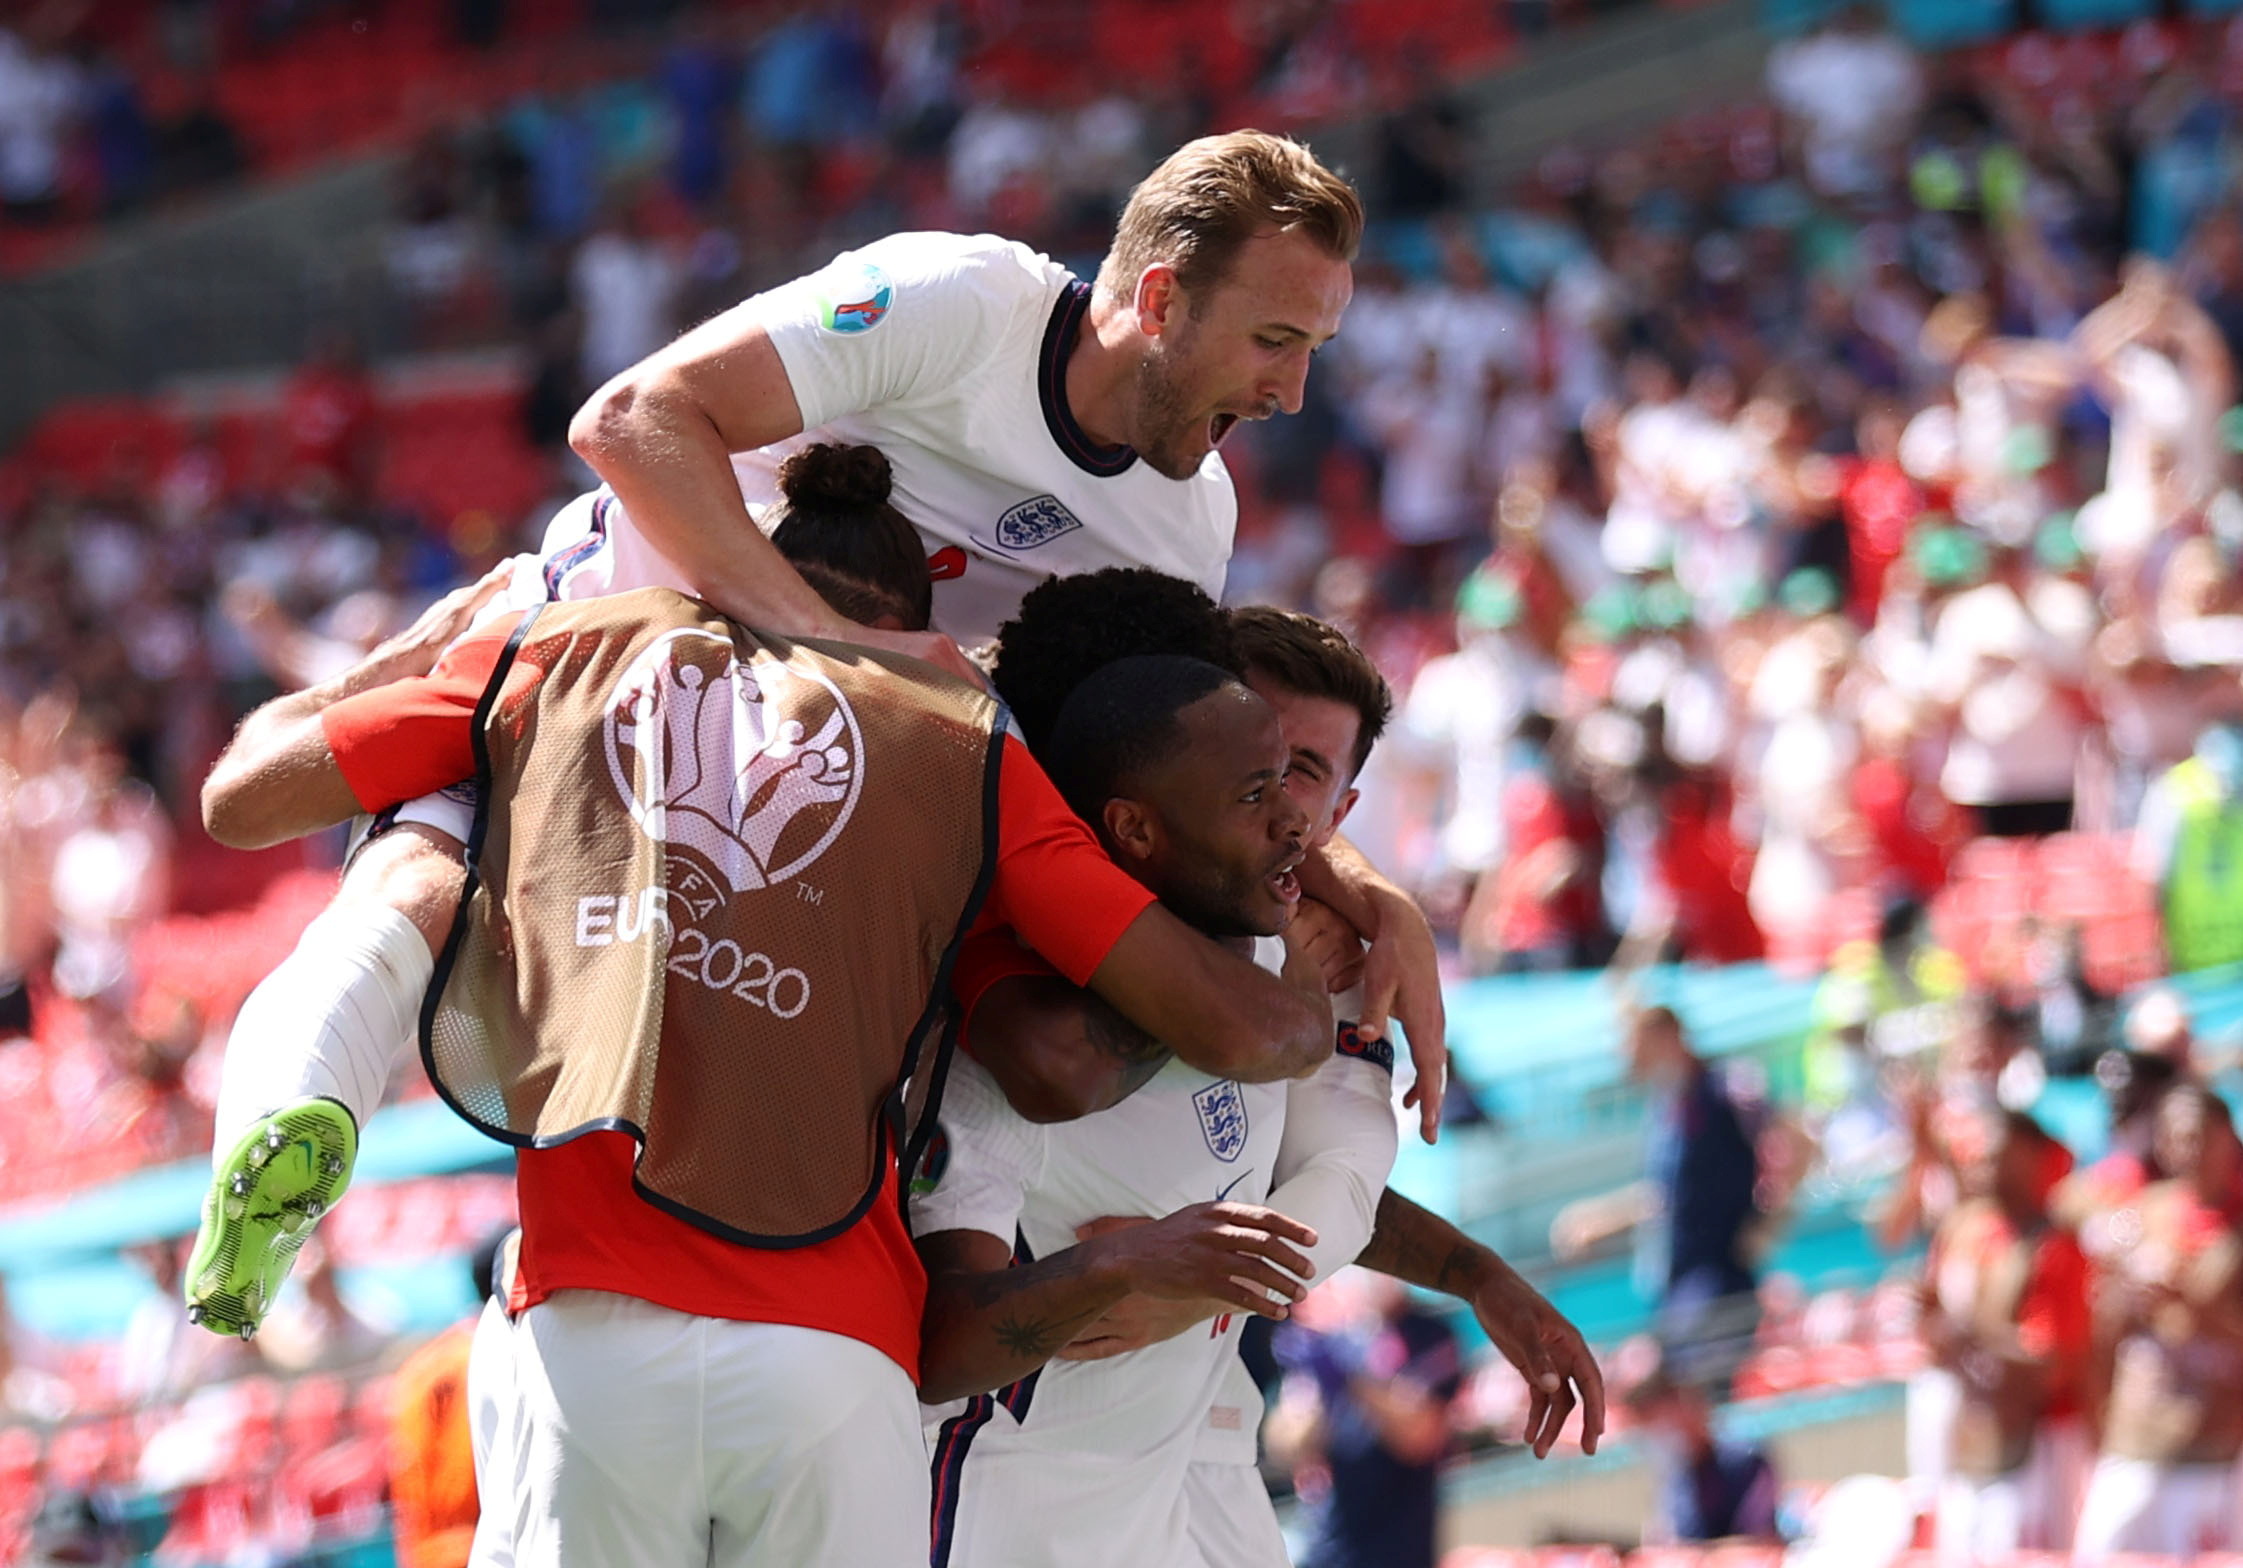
1285, 881
1220, 426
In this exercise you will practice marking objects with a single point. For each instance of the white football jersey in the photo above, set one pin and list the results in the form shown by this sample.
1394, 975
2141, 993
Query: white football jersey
1341, 1135
948, 352
1007, 1464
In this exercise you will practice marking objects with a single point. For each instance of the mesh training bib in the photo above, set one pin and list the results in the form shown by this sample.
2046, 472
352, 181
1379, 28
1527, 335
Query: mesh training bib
715, 886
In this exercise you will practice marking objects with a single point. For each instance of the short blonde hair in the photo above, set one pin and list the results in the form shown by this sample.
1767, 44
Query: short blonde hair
1209, 197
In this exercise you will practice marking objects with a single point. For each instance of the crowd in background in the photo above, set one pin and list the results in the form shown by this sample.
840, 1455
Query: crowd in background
1757, 519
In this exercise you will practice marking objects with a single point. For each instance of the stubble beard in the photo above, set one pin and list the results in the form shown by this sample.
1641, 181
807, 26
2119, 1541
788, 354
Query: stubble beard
1163, 421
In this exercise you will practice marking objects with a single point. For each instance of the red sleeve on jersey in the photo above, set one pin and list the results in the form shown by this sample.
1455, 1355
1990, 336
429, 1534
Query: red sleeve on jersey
414, 737
984, 959
1053, 885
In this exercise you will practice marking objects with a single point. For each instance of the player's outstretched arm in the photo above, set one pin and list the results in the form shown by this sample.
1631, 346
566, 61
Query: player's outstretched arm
276, 779
989, 1323
662, 435
1420, 1248
1216, 1009
1401, 972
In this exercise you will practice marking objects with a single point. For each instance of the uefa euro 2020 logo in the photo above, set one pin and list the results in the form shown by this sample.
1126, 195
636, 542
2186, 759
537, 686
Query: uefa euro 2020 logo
754, 768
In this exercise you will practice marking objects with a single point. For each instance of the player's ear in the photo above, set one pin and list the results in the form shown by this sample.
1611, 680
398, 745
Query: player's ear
1160, 300
1129, 829
1339, 813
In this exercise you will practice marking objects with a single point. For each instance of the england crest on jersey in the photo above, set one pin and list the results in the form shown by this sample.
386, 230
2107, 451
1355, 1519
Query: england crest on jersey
1038, 520
1222, 1119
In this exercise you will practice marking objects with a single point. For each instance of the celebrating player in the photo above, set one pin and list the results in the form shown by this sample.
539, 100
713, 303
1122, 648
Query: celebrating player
779, 843
1179, 767
1037, 424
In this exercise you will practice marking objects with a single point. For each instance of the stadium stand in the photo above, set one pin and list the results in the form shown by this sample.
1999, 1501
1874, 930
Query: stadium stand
1499, 357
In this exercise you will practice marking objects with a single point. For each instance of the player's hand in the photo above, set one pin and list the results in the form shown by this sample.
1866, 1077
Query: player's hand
1238, 1254
930, 647
1319, 935
415, 650
1135, 1321
1559, 1369
1402, 979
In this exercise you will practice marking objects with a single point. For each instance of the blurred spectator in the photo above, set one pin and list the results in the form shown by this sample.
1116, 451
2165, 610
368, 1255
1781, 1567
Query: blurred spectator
923, 96
161, 1357
2189, 847
1853, 90
39, 100
2006, 663
2159, 364
698, 86
1693, 1213
431, 248
2173, 1430
111, 878
311, 1329
1541, 906
1708, 1489
123, 138
1423, 149
624, 286
2091, 1202
998, 147
2005, 1311
1904, 990
1461, 714
332, 427
1365, 1414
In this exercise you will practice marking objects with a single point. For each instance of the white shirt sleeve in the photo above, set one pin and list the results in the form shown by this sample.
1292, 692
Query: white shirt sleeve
1338, 1149
977, 1172
904, 316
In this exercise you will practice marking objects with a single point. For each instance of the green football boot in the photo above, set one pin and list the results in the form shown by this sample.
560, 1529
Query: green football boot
286, 1172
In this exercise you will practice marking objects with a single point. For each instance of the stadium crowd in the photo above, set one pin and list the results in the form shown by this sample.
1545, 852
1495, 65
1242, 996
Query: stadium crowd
1775, 527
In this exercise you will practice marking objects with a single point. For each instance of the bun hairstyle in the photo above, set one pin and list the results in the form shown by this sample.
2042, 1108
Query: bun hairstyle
839, 531
830, 477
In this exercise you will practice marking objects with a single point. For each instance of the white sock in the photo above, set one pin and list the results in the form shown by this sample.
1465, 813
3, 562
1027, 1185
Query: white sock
331, 1020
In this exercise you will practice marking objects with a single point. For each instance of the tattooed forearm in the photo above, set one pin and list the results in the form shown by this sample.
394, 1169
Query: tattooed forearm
1037, 1338
986, 1290
1420, 1248
987, 1325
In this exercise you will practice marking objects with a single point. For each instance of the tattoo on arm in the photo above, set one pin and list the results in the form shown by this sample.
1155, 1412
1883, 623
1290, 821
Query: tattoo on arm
1119, 1040
1035, 1338
1419, 1248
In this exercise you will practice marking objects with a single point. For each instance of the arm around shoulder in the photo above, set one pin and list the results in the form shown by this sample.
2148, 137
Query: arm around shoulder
1215, 1009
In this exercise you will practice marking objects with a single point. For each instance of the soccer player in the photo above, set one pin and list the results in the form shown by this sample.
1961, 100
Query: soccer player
734, 1260
1179, 768
1038, 424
